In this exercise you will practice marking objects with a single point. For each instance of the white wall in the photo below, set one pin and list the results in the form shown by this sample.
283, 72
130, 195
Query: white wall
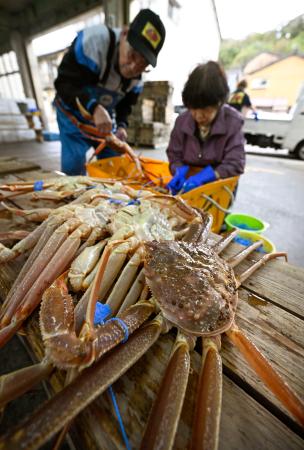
192, 37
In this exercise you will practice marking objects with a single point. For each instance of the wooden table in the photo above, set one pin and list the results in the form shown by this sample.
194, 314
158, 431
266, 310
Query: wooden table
270, 311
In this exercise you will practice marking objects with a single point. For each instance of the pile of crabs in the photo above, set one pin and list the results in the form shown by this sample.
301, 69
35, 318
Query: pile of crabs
111, 270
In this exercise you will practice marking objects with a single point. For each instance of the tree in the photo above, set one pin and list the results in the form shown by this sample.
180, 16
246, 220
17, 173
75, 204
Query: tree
288, 40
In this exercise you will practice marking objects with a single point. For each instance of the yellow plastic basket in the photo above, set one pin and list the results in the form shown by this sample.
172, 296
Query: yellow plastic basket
123, 168
213, 197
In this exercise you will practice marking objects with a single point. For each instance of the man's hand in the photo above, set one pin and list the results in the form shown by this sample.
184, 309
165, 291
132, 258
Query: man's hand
102, 119
122, 134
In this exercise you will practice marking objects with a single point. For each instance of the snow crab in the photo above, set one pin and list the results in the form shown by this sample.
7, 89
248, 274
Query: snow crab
194, 290
62, 187
93, 217
56, 189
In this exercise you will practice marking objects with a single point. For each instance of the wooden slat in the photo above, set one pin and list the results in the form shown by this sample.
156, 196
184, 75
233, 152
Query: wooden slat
47, 155
279, 282
13, 165
244, 423
275, 331
279, 335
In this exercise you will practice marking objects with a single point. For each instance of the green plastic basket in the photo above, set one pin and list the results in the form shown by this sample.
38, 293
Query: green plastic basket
245, 223
248, 237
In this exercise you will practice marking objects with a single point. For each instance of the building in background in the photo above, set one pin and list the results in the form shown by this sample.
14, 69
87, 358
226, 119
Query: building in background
192, 37
276, 86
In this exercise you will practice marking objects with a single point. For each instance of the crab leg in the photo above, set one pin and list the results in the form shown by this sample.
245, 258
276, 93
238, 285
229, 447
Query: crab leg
7, 254
56, 196
261, 262
134, 292
199, 229
91, 383
17, 235
33, 215
98, 233
116, 261
240, 256
162, 424
16, 193
48, 229
83, 264
267, 373
97, 285
225, 241
51, 271
63, 347
180, 206
80, 309
124, 282
24, 186
117, 144
34, 272
14, 384
207, 416
114, 266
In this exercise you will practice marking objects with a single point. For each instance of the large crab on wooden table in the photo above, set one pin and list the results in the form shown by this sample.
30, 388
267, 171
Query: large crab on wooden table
193, 289
76, 235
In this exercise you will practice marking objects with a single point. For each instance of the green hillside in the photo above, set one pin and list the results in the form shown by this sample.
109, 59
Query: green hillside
289, 40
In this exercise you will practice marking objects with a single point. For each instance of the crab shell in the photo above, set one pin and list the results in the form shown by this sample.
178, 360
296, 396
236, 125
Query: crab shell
194, 287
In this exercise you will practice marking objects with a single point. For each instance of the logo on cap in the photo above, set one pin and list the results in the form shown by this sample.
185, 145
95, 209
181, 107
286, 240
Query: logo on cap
151, 34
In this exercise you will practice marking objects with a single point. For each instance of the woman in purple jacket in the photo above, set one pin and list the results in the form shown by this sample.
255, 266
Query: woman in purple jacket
206, 142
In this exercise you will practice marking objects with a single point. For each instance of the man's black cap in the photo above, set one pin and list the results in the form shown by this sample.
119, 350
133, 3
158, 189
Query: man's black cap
147, 35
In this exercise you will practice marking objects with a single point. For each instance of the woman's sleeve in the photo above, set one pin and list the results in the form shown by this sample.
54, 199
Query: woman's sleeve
175, 148
233, 162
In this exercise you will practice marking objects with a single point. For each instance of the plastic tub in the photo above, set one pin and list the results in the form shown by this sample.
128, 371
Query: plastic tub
246, 223
210, 197
248, 237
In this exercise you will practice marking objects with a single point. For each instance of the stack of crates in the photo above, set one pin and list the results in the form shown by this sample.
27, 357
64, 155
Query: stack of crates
151, 118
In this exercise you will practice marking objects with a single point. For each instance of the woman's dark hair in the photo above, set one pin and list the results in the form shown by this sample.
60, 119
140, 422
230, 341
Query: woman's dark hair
206, 86
242, 84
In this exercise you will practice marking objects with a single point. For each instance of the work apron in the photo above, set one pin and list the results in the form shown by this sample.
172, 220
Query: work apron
74, 144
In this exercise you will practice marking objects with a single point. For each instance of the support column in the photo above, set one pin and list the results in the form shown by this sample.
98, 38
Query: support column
117, 12
29, 70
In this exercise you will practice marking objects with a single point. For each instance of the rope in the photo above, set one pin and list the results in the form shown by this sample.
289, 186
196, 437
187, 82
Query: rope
118, 415
102, 311
38, 185
123, 325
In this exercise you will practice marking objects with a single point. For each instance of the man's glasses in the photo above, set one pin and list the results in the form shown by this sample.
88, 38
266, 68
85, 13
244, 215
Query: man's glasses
138, 60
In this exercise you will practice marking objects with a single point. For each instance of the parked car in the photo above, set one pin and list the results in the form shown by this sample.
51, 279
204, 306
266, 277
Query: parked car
279, 130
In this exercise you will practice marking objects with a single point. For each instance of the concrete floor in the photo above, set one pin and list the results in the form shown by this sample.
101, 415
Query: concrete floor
272, 189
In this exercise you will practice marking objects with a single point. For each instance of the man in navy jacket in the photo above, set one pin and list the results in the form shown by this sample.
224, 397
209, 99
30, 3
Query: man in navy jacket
102, 71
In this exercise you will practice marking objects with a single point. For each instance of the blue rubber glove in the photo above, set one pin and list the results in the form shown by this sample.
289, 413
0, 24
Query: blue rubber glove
176, 183
255, 115
204, 176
